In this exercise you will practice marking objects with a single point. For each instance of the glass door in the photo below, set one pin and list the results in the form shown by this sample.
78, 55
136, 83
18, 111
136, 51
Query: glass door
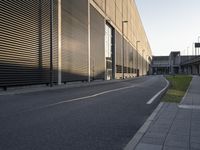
108, 52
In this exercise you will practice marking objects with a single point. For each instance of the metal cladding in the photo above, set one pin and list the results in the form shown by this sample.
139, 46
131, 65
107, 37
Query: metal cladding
74, 40
97, 29
24, 42
78, 36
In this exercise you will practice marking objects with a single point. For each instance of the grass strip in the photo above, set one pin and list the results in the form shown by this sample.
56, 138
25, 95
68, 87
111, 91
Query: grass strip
178, 86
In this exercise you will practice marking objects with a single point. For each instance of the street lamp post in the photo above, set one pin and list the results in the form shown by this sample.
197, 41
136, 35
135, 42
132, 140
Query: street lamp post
193, 48
137, 42
143, 61
198, 48
123, 47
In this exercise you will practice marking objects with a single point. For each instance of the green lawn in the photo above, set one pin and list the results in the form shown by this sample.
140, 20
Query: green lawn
178, 86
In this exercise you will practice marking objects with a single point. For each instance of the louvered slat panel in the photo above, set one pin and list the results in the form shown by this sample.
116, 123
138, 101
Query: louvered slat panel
74, 40
97, 31
24, 42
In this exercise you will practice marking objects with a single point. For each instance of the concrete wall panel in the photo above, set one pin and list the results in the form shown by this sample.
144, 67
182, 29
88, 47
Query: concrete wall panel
110, 10
119, 14
100, 3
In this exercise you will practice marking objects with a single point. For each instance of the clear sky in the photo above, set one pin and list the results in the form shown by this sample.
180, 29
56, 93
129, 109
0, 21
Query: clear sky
170, 24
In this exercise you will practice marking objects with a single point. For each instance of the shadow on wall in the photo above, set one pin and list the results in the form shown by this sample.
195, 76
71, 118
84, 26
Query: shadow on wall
19, 75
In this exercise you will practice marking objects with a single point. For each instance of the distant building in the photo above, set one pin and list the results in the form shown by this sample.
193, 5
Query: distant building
175, 64
160, 65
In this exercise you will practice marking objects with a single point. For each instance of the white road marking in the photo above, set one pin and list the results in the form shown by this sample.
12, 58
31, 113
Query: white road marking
155, 96
82, 98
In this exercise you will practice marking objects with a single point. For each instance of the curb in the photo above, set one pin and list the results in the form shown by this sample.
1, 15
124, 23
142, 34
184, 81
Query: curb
137, 137
183, 99
140, 133
42, 88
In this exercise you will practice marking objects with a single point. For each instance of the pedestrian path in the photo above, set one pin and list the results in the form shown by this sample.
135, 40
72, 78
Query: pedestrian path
193, 95
176, 127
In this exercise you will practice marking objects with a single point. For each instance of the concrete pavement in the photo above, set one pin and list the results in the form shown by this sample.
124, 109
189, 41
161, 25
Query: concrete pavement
95, 117
176, 126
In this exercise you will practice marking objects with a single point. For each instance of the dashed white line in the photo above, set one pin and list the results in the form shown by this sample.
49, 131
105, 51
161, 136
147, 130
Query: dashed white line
82, 98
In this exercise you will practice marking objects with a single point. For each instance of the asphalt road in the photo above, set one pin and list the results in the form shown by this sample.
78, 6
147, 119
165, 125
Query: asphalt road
97, 117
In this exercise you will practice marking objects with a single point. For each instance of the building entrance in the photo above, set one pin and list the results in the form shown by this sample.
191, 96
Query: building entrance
109, 52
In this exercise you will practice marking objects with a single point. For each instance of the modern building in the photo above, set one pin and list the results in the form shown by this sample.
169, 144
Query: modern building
175, 64
59, 41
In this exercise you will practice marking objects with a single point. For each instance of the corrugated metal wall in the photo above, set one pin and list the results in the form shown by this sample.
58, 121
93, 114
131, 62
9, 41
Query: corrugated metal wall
24, 42
97, 29
74, 40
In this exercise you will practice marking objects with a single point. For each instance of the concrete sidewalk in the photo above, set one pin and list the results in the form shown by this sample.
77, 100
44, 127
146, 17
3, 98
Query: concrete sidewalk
176, 126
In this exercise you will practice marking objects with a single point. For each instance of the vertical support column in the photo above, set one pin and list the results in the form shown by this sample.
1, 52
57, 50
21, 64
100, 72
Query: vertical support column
89, 41
105, 68
59, 42
114, 53
122, 50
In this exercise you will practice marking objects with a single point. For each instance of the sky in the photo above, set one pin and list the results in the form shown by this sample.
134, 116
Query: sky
170, 25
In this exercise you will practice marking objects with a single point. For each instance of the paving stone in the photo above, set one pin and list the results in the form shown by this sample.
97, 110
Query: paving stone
195, 139
182, 126
164, 121
160, 127
195, 146
143, 146
179, 126
196, 118
180, 131
153, 140
177, 141
195, 127
195, 133
181, 123
156, 135
156, 130
195, 111
174, 148
195, 122
186, 118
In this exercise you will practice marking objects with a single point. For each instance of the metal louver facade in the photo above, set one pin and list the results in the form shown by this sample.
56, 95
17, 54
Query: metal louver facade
78, 41
74, 40
97, 57
24, 42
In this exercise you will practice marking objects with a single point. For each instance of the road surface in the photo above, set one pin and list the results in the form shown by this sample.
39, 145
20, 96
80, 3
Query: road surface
97, 117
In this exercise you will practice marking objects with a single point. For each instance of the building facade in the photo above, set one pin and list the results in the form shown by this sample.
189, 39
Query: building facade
59, 41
